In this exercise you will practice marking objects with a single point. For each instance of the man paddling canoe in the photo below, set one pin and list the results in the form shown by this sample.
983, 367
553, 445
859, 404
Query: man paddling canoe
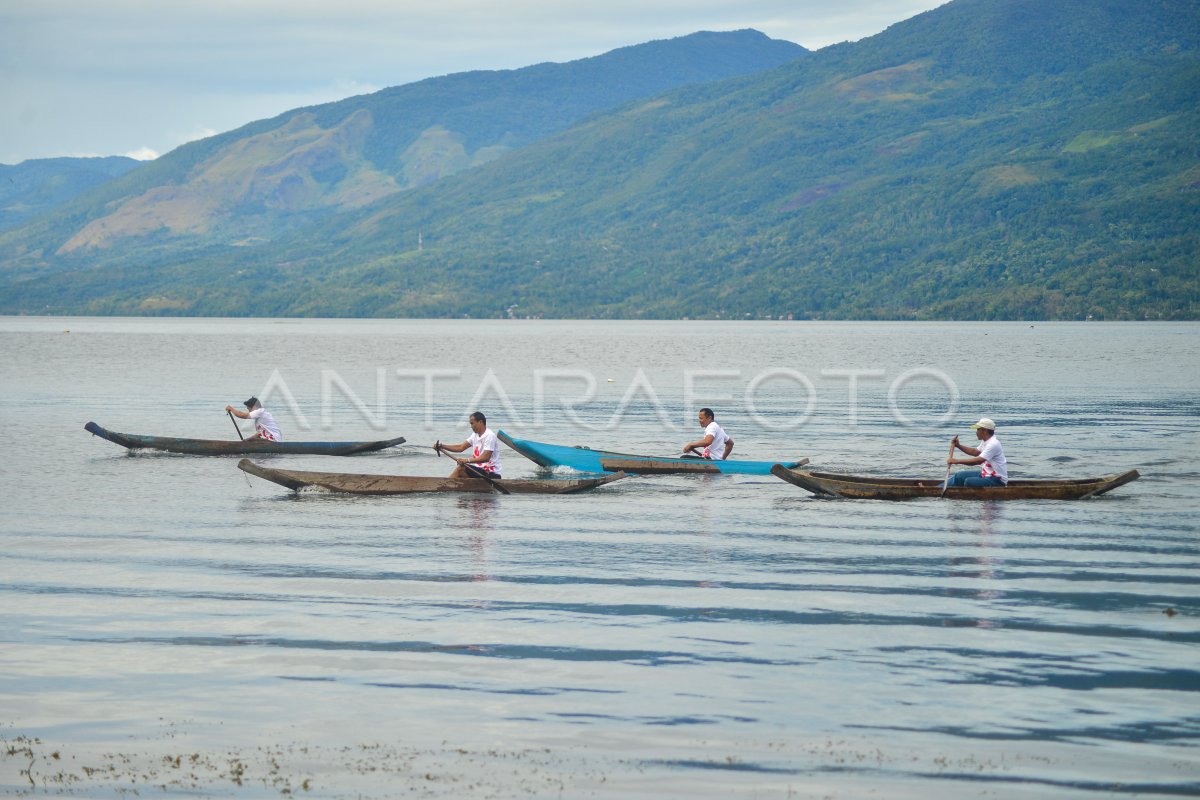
265, 426
993, 469
716, 444
484, 461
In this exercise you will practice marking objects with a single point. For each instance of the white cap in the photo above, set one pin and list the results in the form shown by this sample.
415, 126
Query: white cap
984, 423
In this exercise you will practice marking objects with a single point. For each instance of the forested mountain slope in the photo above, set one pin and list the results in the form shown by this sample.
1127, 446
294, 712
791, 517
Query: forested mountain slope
988, 159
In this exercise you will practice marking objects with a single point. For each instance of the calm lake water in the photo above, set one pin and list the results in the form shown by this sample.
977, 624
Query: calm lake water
174, 627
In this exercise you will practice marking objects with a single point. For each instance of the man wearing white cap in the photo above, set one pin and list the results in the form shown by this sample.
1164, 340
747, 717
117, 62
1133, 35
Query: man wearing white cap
993, 469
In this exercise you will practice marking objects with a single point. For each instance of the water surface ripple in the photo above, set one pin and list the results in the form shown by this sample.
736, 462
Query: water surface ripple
175, 627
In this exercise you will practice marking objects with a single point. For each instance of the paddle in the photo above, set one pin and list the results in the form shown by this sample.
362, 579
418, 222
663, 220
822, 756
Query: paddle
481, 474
235, 425
946, 482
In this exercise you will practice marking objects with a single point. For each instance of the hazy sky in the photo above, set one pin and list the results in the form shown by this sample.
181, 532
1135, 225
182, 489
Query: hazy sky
140, 77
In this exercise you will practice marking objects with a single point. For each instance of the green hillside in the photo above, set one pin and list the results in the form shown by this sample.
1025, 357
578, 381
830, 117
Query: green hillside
40, 185
988, 159
253, 184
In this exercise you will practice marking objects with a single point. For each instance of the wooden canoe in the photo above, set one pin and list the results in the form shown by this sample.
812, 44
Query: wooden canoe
296, 480
221, 447
853, 486
585, 459
675, 466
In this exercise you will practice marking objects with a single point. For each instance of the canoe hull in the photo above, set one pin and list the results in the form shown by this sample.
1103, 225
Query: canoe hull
679, 466
864, 488
219, 447
349, 483
585, 459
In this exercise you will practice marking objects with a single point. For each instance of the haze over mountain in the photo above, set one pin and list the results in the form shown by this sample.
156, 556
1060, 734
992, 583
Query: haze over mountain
36, 186
278, 173
988, 159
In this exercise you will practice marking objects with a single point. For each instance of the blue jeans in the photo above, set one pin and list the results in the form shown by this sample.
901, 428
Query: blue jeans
973, 479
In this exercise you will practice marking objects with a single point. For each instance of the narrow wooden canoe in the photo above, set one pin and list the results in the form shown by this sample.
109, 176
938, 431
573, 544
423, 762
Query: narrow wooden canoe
296, 480
585, 459
853, 486
220, 447
676, 466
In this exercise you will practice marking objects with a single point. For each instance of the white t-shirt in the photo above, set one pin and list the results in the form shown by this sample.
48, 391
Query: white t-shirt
486, 441
994, 462
265, 424
716, 450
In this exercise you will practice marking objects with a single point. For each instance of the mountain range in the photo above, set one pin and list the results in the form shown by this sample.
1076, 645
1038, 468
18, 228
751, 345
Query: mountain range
37, 186
988, 159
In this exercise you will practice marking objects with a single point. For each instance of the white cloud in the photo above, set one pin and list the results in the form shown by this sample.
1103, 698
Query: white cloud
142, 154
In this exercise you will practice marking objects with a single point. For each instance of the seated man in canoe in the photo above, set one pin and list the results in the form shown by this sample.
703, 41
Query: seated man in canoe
715, 445
993, 468
265, 426
484, 461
